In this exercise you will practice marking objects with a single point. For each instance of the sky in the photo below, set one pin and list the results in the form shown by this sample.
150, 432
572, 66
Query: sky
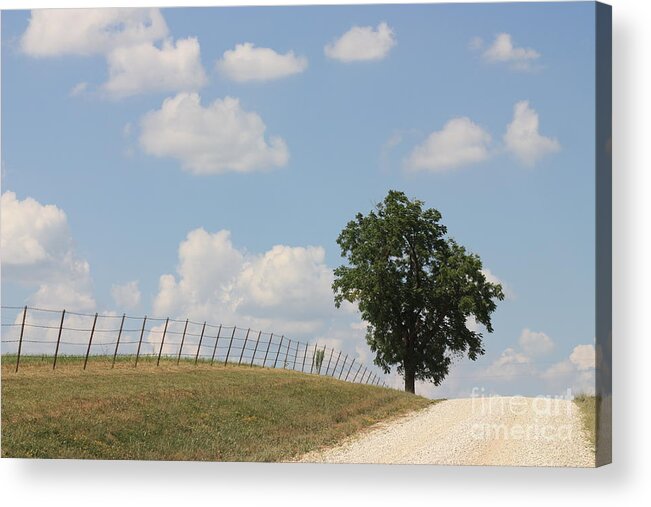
200, 163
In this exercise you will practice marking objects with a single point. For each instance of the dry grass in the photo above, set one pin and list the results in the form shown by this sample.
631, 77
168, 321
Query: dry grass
183, 412
588, 406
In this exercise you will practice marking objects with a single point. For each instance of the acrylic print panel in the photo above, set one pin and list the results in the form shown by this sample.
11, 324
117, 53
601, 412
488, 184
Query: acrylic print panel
343, 234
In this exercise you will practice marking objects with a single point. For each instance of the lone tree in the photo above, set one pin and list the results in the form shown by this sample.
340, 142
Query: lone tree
415, 288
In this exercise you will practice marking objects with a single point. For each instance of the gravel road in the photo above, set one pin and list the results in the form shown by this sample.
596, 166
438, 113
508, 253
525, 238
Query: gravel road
513, 431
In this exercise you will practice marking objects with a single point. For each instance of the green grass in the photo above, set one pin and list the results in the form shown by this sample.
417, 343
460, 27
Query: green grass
184, 412
587, 405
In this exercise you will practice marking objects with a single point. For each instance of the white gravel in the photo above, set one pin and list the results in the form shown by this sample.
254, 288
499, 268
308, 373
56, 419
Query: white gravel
513, 431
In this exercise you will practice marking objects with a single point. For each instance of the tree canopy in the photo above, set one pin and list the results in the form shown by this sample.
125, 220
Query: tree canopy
416, 288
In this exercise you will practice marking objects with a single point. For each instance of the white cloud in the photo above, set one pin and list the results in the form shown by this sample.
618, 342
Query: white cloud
522, 138
362, 43
492, 278
577, 372
503, 51
535, 343
285, 278
508, 365
78, 89
126, 295
31, 232
37, 250
210, 140
57, 32
144, 67
285, 289
74, 294
248, 63
460, 142
475, 43
583, 357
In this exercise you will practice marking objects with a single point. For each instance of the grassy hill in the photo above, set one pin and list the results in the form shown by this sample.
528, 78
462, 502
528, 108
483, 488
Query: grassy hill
185, 412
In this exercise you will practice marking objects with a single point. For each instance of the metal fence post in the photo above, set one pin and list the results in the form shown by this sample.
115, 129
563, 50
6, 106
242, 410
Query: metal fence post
20, 341
322, 358
355, 377
295, 357
332, 351
90, 341
278, 351
244, 346
117, 344
304, 356
162, 341
182, 340
343, 366
334, 370
214, 351
56, 351
257, 341
289, 344
142, 332
348, 373
230, 344
196, 358
264, 361
313, 358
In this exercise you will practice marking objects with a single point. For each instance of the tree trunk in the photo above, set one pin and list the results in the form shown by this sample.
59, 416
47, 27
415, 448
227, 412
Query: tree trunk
410, 366
410, 380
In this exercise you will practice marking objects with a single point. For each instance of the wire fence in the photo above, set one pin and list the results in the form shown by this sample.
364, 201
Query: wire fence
58, 333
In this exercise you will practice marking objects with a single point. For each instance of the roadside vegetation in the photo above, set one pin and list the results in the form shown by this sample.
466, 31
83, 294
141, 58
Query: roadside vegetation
588, 406
184, 412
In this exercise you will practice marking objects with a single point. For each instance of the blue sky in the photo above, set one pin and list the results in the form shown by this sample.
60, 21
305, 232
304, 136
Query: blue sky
341, 127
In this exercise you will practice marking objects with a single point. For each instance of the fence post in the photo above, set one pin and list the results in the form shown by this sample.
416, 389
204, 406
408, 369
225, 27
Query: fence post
182, 340
278, 351
289, 344
230, 344
244, 346
295, 357
348, 373
214, 351
90, 341
304, 356
313, 359
117, 344
20, 342
142, 332
322, 358
264, 361
196, 358
342, 367
56, 351
334, 370
162, 341
257, 341
332, 351
355, 377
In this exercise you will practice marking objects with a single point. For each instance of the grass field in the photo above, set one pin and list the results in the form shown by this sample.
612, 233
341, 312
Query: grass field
185, 412
588, 407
